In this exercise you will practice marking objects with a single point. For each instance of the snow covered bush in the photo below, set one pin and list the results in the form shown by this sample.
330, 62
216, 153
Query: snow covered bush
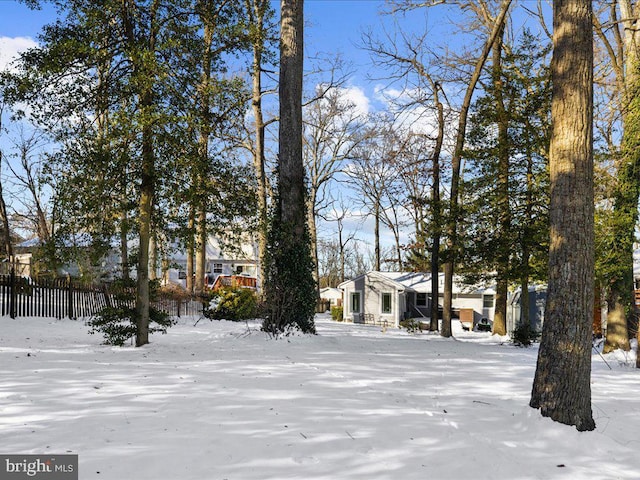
233, 303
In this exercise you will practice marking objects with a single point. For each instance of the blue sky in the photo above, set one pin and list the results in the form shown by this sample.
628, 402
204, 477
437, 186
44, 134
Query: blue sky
332, 26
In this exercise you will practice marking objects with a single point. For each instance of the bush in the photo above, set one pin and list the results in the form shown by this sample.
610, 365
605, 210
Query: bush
523, 335
411, 324
233, 303
118, 322
337, 314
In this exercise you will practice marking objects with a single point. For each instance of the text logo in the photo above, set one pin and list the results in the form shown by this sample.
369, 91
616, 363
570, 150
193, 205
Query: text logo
38, 467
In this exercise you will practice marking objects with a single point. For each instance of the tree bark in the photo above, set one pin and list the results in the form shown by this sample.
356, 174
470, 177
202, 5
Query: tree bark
291, 168
504, 212
289, 287
191, 250
145, 208
201, 250
561, 388
436, 213
256, 11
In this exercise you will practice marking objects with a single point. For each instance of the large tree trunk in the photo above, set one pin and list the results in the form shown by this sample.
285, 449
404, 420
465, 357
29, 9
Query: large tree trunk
290, 288
456, 163
561, 388
291, 167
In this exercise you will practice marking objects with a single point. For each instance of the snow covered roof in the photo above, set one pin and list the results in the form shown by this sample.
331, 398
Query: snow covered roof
421, 282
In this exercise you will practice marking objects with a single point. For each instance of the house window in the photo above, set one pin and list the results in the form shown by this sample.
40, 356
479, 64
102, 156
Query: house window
487, 301
421, 299
355, 302
217, 268
386, 303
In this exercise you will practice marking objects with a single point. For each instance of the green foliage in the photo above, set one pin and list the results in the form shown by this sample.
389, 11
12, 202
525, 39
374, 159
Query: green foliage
290, 290
524, 336
506, 206
233, 303
337, 314
118, 322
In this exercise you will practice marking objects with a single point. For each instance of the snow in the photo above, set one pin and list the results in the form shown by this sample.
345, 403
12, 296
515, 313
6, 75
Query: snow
218, 401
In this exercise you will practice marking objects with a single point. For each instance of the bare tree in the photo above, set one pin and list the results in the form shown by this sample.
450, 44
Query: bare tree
372, 173
27, 176
332, 132
481, 10
338, 213
562, 388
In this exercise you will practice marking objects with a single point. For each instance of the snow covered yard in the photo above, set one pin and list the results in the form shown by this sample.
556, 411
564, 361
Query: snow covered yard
211, 402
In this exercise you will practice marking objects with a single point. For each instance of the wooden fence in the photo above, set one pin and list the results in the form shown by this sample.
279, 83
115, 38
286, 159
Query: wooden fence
62, 298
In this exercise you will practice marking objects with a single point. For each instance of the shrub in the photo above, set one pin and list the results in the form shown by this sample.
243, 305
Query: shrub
118, 322
411, 324
523, 335
233, 303
337, 314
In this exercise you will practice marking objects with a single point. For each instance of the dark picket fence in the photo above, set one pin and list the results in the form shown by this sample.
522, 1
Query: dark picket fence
63, 298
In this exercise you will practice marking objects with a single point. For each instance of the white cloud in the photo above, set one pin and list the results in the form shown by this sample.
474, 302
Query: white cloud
11, 47
357, 97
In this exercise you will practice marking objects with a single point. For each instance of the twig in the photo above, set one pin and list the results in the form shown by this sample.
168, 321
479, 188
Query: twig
598, 352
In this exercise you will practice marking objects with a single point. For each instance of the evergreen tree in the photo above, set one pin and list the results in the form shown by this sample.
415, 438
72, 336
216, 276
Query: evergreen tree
505, 195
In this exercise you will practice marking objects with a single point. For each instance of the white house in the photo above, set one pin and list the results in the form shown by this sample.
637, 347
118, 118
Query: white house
237, 260
389, 297
333, 295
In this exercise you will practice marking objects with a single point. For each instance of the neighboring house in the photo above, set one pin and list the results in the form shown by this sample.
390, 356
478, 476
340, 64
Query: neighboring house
241, 260
333, 295
537, 303
389, 297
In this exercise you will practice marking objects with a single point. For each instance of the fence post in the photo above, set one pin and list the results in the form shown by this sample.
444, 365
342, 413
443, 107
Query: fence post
69, 297
12, 292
